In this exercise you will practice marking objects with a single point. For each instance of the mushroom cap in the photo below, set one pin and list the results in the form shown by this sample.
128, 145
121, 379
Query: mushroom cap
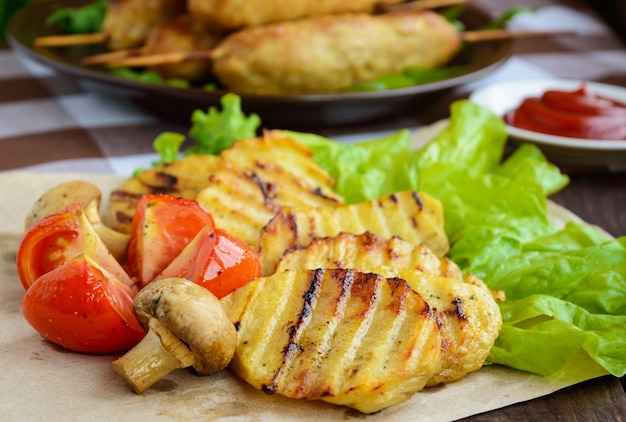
190, 321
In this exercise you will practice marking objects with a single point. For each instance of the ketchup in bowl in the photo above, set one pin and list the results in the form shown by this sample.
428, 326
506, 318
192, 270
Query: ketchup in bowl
573, 114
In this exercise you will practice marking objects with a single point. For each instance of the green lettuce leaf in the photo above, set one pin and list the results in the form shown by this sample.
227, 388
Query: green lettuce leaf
528, 163
167, 145
79, 20
542, 333
216, 130
591, 276
565, 310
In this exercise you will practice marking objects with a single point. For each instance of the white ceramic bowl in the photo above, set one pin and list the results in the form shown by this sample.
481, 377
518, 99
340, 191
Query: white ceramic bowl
602, 154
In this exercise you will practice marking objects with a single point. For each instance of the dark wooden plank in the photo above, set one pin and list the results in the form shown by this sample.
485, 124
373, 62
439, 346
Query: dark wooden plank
598, 400
598, 199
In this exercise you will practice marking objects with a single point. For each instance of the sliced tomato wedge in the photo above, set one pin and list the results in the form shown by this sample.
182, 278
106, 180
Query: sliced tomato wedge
162, 226
83, 307
216, 260
58, 238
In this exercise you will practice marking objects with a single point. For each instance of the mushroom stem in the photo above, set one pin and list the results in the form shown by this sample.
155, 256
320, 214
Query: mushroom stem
186, 326
146, 363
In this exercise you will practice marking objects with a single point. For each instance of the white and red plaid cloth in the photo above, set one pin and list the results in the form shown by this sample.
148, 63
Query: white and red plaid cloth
49, 123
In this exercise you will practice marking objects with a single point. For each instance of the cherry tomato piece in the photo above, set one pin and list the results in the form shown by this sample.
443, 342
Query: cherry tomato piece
83, 307
218, 261
162, 226
56, 239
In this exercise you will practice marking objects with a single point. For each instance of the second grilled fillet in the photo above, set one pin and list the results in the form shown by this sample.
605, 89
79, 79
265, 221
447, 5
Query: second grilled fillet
183, 178
243, 187
340, 336
331, 53
415, 217
367, 250
256, 177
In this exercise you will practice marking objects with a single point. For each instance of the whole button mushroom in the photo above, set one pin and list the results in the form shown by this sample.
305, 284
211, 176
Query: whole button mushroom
186, 326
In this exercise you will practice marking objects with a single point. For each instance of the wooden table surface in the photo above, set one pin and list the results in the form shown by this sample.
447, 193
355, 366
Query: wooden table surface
100, 145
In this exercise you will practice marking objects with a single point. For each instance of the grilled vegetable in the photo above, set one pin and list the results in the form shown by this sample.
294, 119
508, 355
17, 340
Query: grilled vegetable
57, 239
82, 307
340, 336
215, 260
469, 321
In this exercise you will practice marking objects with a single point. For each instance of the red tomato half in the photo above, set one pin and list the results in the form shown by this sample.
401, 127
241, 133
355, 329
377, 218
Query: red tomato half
82, 307
216, 260
56, 239
162, 226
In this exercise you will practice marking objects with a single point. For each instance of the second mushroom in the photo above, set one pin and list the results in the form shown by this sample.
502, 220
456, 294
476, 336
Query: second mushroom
186, 327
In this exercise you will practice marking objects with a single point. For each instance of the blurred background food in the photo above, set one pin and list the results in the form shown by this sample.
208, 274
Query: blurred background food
311, 48
7, 9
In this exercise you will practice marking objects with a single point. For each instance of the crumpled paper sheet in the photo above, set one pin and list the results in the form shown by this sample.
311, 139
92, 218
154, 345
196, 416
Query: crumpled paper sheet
41, 381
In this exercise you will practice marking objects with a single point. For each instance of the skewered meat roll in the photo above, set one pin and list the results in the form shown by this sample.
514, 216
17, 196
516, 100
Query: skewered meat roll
242, 13
331, 53
127, 23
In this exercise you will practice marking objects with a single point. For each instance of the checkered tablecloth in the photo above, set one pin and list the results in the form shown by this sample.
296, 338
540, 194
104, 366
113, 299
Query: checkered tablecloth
49, 123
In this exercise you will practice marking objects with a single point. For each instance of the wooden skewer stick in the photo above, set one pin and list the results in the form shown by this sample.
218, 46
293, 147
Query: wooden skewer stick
417, 5
165, 58
503, 34
113, 56
468, 36
69, 40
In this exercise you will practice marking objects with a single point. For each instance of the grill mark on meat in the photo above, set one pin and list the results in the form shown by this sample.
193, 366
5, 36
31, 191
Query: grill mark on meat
123, 217
418, 200
268, 190
458, 305
293, 347
167, 179
319, 192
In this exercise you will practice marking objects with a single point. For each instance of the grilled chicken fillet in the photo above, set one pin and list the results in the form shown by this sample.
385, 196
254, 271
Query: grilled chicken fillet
467, 311
340, 336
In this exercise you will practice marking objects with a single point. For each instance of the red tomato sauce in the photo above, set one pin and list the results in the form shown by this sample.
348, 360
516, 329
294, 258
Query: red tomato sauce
573, 114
